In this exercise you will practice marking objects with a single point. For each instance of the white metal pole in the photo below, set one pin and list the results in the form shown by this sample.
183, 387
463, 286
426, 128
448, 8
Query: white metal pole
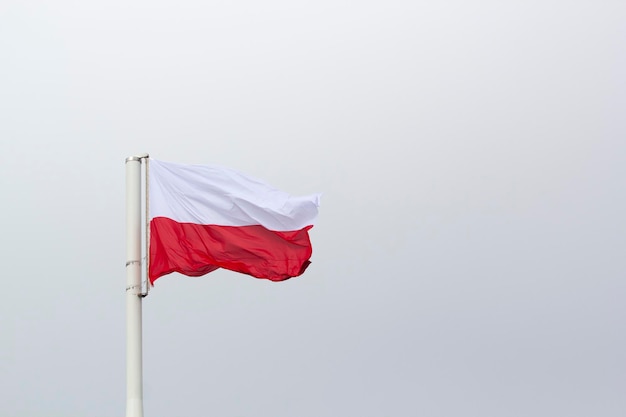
134, 384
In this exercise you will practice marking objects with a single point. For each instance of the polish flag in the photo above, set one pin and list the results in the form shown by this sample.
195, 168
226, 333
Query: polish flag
205, 217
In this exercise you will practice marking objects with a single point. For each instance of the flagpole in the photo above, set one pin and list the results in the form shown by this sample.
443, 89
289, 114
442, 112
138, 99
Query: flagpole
134, 383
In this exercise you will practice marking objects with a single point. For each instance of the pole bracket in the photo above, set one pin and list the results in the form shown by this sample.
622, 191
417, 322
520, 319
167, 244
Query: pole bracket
137, 157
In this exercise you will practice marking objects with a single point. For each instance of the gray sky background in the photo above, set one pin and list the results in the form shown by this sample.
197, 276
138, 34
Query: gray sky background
469, 255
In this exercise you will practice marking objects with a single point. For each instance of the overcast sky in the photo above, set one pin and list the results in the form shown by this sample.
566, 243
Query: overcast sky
469, 255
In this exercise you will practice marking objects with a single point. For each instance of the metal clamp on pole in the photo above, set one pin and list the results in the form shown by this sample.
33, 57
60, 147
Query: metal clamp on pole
137, 157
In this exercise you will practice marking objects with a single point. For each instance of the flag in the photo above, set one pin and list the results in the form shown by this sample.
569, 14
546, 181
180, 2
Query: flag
205, 217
